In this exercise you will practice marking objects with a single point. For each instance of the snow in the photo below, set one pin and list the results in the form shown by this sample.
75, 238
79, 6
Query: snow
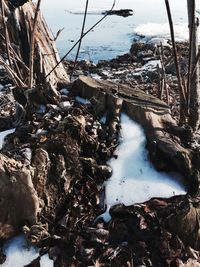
103, 119
46, 262
64, 91
155, 33
3, 135
134, 179
20, 254
152, 65
82, 100
1, 87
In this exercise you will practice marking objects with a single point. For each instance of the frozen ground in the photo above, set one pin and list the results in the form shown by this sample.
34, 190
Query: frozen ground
134, 179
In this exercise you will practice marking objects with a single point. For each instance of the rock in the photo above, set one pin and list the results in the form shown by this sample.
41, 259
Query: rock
105, 170
36, 233
18, 195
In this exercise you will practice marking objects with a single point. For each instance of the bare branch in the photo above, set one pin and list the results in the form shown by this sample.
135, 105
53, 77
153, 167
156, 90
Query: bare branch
31, 56
81, 37
15, 78
178, 73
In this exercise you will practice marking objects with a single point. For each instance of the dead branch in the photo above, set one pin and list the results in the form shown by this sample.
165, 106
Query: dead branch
191, 31
31, 56
17, 81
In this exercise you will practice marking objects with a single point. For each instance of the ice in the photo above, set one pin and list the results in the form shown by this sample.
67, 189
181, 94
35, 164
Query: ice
3, 135
134, 179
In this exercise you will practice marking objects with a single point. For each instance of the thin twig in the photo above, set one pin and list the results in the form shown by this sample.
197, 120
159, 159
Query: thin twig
31, 56
14, 57
14, 76
163, 73
178, 73
90, 29
81, 37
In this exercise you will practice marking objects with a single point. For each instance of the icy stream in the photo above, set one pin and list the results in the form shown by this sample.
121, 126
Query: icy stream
134, 179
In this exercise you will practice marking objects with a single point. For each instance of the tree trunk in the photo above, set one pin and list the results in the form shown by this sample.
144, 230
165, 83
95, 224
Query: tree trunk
20, 19
193, 85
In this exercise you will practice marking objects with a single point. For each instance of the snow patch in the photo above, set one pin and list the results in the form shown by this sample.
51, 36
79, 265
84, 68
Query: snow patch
82, 101
3, 136
134, 179
46, 262
155, 33
19, 254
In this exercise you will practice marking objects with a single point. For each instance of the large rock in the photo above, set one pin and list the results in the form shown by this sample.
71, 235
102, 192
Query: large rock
18, 199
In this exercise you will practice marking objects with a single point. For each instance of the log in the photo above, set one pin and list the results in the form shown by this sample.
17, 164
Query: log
153, 115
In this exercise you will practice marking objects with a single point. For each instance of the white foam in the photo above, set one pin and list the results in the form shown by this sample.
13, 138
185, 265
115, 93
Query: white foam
134, 179
3, 135
159, 32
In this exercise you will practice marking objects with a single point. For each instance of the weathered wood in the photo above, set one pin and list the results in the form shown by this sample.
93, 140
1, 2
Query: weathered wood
193, 73
152, 113
19, 202
20, 22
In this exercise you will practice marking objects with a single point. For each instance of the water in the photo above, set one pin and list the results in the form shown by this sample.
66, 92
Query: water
114, 35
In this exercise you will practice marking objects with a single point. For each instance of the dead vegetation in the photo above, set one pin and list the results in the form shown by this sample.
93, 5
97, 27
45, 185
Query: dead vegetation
58, 154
